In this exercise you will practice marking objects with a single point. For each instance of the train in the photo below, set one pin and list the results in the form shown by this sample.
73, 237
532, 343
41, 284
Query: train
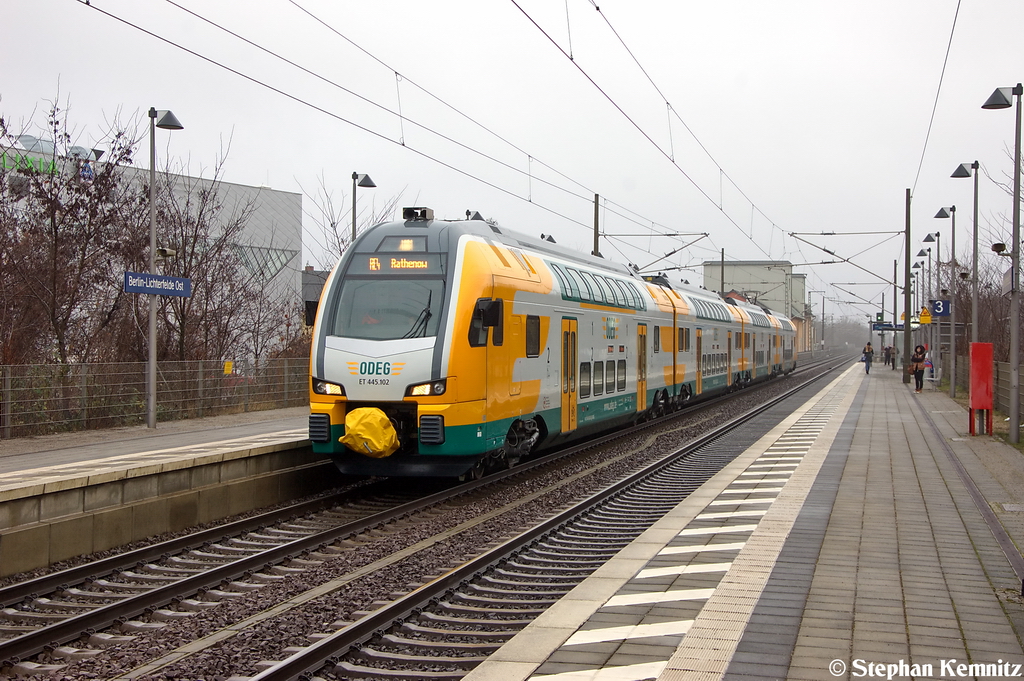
449, 348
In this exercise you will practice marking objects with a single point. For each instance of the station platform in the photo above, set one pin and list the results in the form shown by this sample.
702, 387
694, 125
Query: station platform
76, 493
846, 543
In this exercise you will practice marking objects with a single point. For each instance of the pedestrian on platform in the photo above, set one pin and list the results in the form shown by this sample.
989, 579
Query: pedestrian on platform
895, 354
917, 367
887, 354
869, 354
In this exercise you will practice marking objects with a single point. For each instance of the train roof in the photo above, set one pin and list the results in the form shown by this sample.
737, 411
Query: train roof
447, 232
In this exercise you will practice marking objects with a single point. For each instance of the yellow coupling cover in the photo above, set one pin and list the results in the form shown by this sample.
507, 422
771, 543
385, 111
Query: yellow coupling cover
369, 431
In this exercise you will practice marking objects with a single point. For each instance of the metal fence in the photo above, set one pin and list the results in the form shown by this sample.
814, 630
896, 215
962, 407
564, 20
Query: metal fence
1000, 380
48, 398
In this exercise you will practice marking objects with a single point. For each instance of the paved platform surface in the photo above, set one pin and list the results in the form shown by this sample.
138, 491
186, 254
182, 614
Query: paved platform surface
133, 445
844, 544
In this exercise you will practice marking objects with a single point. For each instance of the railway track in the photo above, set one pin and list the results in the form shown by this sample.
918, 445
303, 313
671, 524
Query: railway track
154, 588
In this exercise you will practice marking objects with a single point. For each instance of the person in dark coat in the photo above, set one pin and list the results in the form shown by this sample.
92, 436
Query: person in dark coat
869, 354
917, 367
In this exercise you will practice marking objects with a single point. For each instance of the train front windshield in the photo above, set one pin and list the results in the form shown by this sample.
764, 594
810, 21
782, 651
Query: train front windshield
388, 309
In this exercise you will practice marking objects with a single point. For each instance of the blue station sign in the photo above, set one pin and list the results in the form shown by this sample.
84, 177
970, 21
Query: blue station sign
157, 284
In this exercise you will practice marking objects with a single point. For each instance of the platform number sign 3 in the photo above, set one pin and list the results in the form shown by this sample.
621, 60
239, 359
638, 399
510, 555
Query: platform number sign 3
940, 308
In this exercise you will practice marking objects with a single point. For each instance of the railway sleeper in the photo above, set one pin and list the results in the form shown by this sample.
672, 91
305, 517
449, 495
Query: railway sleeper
411, 628
561, 587
573, 550
177, 572
35, 669
404, 643
138, 627
27, 617
105, 640
71, 653
95, 595
49, 604
503, 602
538, 596
550, 567
456, 609
511, 626
347, 670
532, 575
145, 577
163, 615
558, 564
122, 586
196, 606
388, 656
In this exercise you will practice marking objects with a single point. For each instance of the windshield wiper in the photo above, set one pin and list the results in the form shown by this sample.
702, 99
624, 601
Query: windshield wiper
419, 327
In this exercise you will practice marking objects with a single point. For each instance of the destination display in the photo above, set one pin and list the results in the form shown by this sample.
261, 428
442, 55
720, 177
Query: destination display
396, 263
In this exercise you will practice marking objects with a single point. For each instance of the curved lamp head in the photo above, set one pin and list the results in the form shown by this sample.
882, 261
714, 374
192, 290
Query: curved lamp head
945, 212
363, 180
963, 170
930, 238
165, 119
1000, 99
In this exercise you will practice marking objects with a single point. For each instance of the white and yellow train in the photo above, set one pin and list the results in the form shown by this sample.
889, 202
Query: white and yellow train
443, 348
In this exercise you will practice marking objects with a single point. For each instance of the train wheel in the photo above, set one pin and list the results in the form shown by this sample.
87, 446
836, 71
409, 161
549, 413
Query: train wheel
474, 473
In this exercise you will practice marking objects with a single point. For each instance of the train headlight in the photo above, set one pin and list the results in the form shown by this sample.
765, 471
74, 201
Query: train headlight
325, 388
427, 389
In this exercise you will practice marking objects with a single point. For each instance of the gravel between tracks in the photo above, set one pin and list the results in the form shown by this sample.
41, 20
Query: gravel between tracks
267, 640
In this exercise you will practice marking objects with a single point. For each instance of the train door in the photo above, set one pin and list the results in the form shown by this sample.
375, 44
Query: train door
728, 358
753, 352
569, 327
641, 367
516, 348
700, 363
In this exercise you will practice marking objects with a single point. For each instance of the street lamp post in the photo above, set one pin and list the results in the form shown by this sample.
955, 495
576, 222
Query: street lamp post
358, 180
964, 170
951, 214
167, 121
1001, 99
934, 283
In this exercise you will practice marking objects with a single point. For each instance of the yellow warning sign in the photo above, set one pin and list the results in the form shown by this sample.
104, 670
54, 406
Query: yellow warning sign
229, 367
926, 316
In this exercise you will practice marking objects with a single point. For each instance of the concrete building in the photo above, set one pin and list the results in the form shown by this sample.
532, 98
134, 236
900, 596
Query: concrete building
770, 283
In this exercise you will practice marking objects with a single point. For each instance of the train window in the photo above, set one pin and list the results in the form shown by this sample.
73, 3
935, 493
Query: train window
573, 290
581, 284
657, 339
594, 288
609, 376
684, 342
396, 244
584, 379
606, 292
498, 329
638, 300
561, 278
746, 340
532, 336
388, 309
620, 293
621, 378
598, 378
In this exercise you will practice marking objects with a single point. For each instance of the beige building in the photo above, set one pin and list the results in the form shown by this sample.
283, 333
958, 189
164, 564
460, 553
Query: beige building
769, 283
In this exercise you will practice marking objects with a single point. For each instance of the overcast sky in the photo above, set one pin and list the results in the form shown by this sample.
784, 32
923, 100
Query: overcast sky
745, 119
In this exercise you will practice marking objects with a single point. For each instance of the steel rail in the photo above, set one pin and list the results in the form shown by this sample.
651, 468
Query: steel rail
330, 648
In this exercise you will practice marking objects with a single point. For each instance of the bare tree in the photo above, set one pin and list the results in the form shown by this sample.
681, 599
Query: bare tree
61, 219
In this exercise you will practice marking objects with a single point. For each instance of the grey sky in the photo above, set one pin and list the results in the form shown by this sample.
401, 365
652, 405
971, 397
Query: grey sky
817, 110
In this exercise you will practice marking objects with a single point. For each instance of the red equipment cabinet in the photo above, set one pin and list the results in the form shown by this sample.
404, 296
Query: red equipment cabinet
981, 388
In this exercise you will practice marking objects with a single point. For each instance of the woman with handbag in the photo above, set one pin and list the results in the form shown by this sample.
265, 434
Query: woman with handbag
917, 367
